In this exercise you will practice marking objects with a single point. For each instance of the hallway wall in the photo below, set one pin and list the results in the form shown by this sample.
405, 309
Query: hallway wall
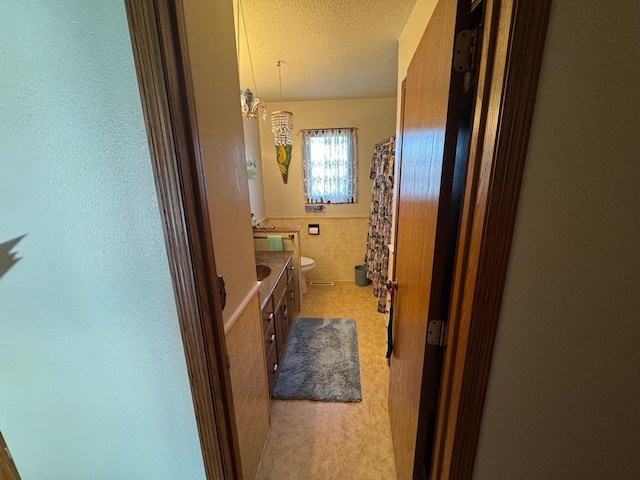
563, 399
93, 380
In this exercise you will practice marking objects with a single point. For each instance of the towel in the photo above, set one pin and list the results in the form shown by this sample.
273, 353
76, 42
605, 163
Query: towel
274, 243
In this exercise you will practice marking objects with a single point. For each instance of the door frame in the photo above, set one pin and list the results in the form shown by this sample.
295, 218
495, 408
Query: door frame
160, 52
514, 35
8, 470
509, 68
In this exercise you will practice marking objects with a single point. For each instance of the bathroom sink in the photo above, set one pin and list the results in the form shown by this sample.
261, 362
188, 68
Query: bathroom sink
262, 271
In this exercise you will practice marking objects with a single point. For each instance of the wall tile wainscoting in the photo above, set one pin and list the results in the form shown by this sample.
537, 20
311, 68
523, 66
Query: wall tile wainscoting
340, 246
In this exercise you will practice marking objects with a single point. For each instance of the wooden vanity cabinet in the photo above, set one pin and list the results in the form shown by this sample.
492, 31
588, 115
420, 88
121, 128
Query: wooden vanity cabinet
277, 315
291, 300
270, 350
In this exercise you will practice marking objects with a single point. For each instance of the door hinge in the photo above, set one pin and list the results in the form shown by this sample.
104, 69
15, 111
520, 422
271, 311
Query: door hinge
437, 333
228, 362
464, 50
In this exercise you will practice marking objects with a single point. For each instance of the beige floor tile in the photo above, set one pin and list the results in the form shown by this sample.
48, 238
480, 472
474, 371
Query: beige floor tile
319, 440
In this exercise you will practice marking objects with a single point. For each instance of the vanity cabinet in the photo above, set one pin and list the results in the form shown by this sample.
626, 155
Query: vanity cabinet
277, 317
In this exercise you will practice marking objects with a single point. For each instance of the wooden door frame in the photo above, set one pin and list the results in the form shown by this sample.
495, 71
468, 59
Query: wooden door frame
159, 41
511, 55
8, 470
514, 34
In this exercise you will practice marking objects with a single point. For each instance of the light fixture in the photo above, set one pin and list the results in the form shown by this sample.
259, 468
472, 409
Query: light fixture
250, 104
282, 129
248, 101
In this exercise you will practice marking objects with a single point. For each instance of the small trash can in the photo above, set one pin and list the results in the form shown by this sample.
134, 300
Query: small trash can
361, 276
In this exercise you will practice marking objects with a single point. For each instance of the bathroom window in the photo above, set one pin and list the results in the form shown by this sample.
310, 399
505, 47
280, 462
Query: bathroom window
329, 165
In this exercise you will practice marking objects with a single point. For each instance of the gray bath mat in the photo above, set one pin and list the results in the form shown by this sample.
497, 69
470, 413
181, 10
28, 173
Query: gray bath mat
320, 362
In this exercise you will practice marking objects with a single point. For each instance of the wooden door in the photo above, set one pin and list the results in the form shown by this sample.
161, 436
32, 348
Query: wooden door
429, 137
8, 469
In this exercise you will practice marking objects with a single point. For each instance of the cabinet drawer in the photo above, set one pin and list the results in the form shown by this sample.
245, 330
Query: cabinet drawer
273, 366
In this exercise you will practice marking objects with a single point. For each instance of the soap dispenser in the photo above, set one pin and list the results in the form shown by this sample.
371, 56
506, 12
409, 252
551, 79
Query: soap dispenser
254, 222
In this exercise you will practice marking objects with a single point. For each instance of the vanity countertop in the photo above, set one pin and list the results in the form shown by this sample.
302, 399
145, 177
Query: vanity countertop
276, 261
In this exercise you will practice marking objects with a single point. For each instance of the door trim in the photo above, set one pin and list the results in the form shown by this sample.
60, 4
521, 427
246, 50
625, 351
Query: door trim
158, 38
8, 470
514, 37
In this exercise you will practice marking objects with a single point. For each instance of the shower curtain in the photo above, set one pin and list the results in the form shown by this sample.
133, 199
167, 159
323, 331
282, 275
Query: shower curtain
379, 236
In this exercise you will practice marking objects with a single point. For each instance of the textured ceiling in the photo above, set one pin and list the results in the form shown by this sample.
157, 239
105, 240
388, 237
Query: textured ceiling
330, 49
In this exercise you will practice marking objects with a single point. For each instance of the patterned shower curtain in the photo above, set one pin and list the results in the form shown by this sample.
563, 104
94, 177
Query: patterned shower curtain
379, 235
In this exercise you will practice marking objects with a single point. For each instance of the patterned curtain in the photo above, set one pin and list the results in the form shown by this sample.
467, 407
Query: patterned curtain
379, 235
329, 165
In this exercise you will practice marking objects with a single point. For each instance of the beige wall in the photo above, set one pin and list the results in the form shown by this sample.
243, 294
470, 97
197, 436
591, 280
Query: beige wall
215, 77
564, 395
340, 246
375, 120
251, 127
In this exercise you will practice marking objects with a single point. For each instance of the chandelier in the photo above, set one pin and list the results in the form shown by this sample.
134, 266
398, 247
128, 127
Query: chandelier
250, 104
248, 101
282, 129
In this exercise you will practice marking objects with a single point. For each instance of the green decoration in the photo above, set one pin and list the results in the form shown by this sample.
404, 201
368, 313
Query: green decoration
283, 155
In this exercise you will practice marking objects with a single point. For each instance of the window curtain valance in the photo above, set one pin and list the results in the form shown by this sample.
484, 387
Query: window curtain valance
329, 165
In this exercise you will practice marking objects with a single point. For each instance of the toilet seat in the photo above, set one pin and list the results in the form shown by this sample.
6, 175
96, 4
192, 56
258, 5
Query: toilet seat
306, 262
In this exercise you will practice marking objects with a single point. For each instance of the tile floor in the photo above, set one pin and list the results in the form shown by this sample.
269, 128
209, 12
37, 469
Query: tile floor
318, 440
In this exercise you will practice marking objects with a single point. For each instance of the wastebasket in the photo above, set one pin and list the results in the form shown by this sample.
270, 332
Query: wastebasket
361, 276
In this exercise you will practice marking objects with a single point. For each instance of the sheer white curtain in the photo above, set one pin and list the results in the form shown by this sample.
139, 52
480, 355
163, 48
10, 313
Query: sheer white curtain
330, 165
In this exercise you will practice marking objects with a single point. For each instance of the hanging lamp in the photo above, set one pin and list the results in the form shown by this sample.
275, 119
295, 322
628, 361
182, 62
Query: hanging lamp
248, 101
282, 129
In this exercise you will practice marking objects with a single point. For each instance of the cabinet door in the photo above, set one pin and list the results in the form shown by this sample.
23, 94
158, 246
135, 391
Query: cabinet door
291, 303
280, 327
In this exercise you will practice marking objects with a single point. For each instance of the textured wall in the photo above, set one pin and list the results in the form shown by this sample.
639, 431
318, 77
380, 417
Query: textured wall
375, 119
93, 382
564, 399
214, 70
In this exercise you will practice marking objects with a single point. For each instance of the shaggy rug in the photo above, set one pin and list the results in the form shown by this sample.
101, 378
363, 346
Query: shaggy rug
320, 362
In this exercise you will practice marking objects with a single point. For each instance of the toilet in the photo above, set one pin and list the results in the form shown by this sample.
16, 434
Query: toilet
306, 265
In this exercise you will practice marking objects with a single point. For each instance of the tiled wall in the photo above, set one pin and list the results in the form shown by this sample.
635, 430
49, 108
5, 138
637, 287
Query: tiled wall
340, 246
245, 346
